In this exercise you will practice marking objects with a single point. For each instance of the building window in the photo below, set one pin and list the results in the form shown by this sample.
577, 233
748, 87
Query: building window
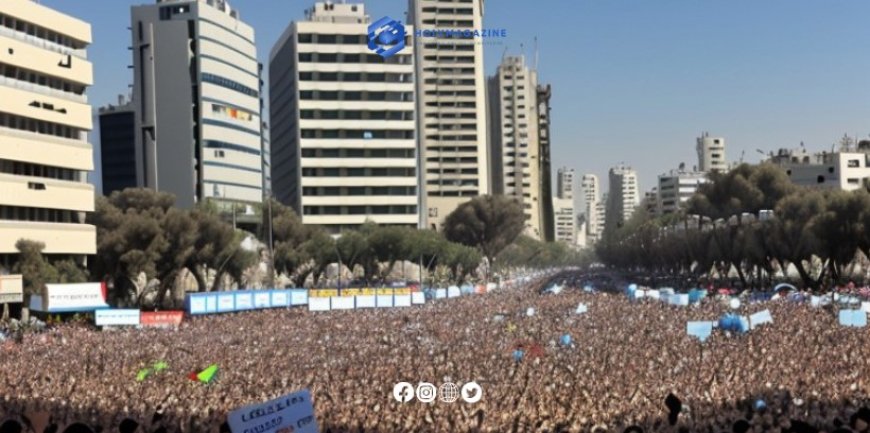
853, 181
854, 163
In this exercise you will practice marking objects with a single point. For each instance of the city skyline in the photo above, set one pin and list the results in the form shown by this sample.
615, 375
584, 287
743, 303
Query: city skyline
646, 76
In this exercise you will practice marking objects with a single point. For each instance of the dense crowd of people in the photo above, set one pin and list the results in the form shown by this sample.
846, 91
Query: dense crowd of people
624, 359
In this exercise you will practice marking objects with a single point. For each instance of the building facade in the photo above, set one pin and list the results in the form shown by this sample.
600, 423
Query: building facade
44, 122
515, 138
676, 188
565, 220
352, 155
548, 228
197, 100
845, 170
624, 195
711, 154
565, 183
118, 146
591, 202
451, 100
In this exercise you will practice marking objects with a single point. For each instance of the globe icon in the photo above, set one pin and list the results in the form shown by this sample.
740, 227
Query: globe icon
448, 393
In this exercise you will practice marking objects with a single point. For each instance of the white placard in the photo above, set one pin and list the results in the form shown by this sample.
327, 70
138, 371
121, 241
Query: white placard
280, 299
293, 412
366, 301
211, 304
298, 297
197, 304
108, 317
453, 292
318, 304
74, 297
226, 303
440, 293
244, 301
865, 306
653, 294
343, 302
262, 299
384, 301
418, 298
402, 301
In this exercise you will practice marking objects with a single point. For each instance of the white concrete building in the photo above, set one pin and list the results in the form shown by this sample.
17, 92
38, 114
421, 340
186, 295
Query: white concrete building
591, 201
514, 138
845, 170
451, 91
624, 195
197, 97
676, 188
565, 220
711, 154
342, 123
565, 183
44, 122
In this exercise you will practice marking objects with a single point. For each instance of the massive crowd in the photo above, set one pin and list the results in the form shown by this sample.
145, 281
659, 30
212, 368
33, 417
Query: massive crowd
625, 359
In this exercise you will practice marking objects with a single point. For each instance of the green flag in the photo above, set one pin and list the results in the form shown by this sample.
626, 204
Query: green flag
160, 366
143, 374
207, 375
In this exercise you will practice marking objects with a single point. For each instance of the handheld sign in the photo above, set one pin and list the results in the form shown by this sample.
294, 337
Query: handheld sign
293, 412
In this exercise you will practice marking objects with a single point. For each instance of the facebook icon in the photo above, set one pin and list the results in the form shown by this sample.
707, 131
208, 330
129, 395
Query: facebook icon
403, 392
386, 37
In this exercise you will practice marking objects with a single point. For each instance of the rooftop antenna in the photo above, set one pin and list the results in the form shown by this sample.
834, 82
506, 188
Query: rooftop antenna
536, 53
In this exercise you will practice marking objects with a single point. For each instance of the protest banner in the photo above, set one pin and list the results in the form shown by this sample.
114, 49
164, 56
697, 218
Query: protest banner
318, 304
453, 292
343, 303
402, 300
700, 330
384, 301
290, 413
760, 318
418, 298
164, 319
116, 317
366, 301
440, 293
71, 298
853, 318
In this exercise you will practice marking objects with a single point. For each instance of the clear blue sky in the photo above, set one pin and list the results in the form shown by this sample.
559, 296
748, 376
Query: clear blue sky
633, 80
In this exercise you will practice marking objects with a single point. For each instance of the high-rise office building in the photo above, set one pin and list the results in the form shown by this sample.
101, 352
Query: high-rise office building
592, 202
565, 220
515, 139
544, 94
451, 96
197, 100
563, 204
118, 146
711, 154
565, 182
342, 123
676, 188
624, 195
44, 122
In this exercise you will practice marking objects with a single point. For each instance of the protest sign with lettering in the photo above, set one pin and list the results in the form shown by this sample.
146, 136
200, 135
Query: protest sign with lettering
292, 413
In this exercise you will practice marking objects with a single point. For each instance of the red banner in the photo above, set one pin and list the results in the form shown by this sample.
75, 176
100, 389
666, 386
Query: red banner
161, 318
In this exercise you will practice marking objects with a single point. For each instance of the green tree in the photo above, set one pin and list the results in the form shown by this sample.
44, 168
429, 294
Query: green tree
488, 223
35, 271
461, 260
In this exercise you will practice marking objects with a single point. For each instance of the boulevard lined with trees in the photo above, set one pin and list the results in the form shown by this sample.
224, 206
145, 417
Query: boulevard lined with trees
754, 224
147, 249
